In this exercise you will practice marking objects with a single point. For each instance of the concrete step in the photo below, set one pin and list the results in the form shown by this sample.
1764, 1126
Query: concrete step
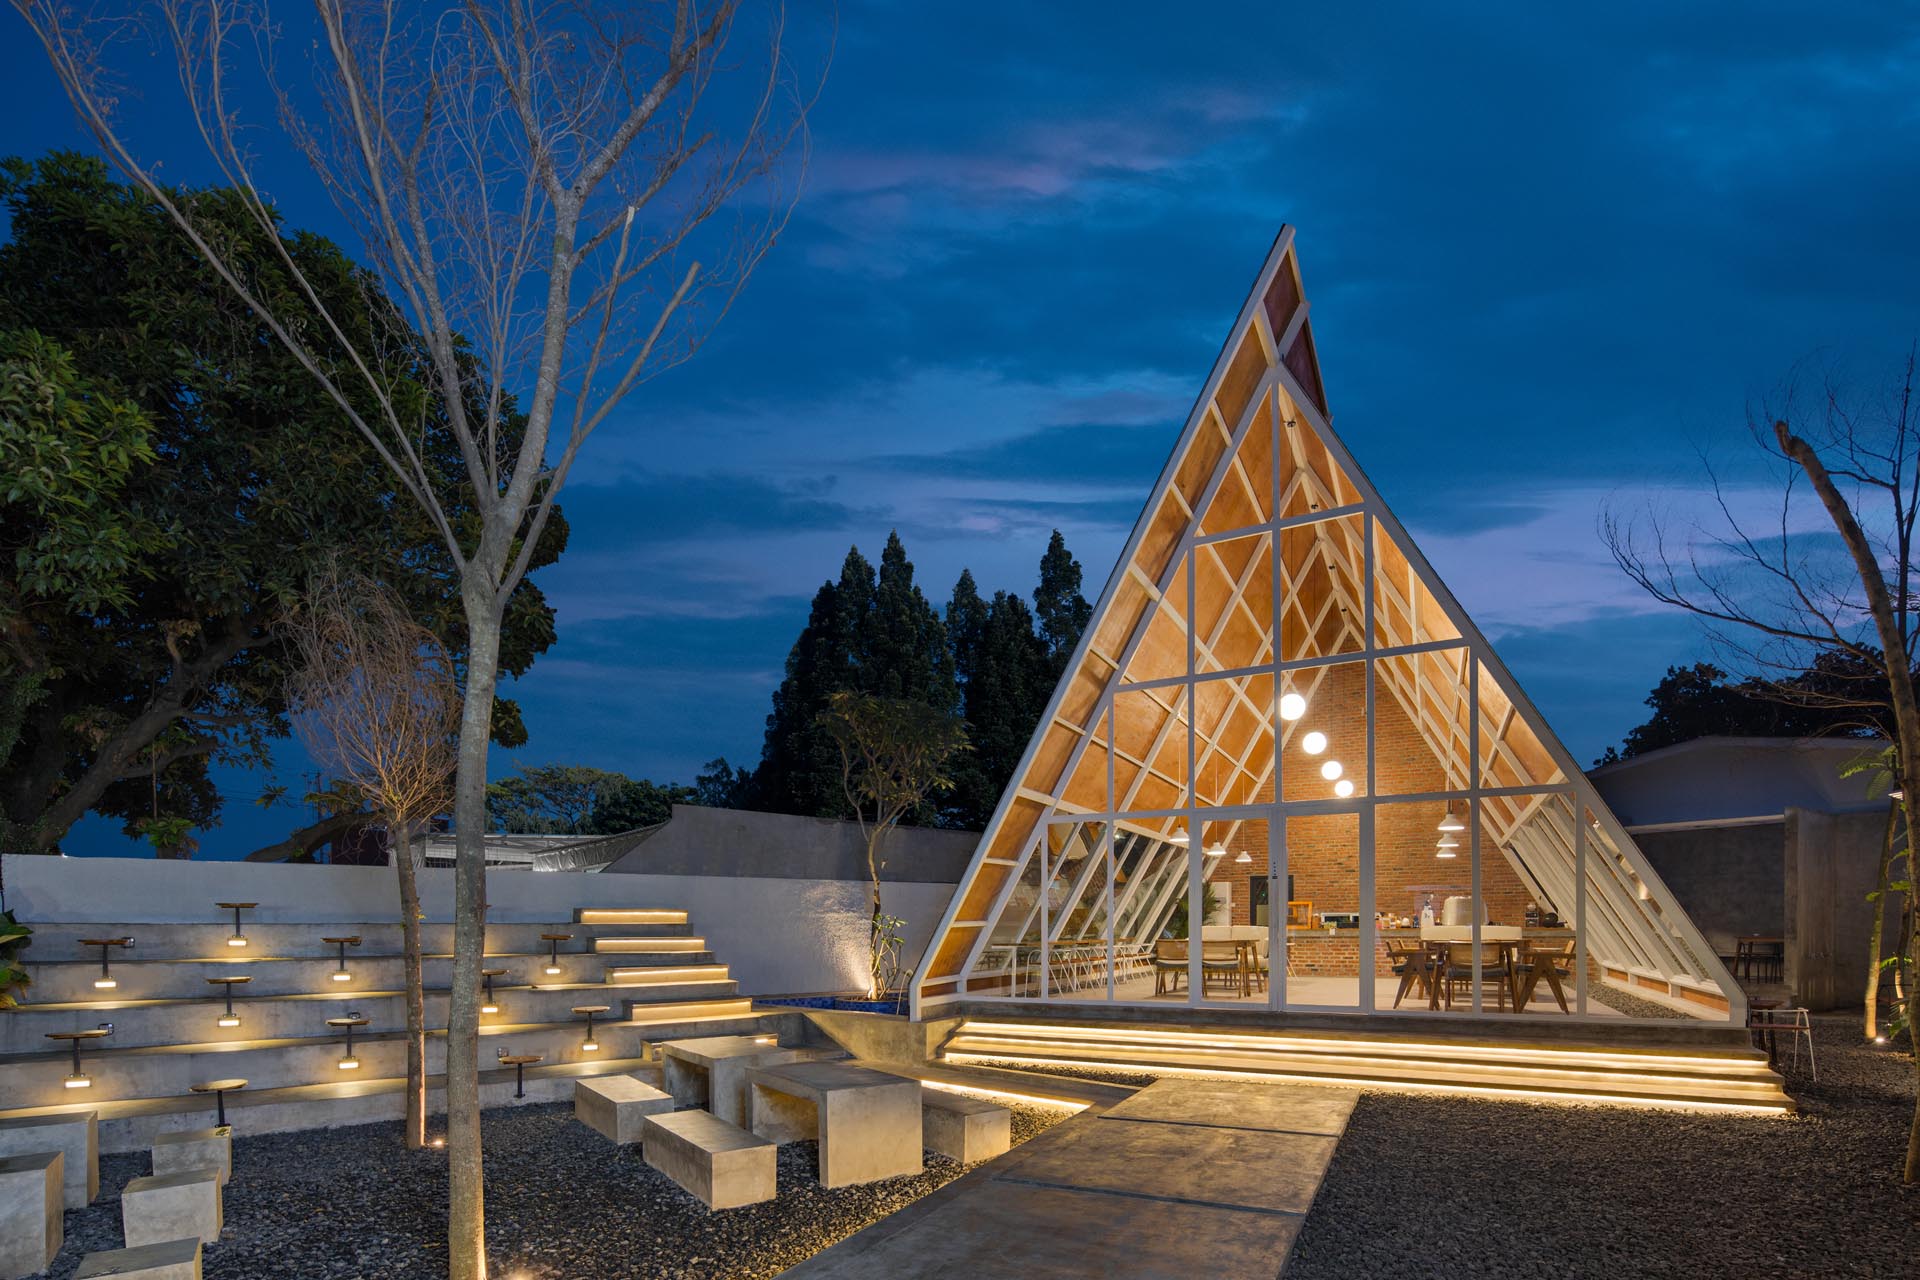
630, 945
153, 979
1707, 1077
212, 939
133, 1124
628, 915
269, 1016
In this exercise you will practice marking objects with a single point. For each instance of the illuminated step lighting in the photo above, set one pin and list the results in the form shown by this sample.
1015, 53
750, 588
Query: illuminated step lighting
79, 1081
1004, 1095
1472, 1090
1203, 1039
105, 984
349, 1064
632, 915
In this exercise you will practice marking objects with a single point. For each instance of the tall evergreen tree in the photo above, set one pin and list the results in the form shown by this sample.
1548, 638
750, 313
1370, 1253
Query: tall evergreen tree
867, 633
966, 627
1009, 686
1063, 611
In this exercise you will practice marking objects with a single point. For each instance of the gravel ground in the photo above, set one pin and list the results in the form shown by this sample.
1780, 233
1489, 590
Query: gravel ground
1437, 1186
562, 1202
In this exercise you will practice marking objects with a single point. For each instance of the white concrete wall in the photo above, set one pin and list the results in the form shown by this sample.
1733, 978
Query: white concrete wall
779, 936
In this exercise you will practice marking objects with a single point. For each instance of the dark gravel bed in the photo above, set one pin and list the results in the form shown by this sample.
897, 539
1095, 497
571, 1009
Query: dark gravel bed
562, 1202
1440, 1186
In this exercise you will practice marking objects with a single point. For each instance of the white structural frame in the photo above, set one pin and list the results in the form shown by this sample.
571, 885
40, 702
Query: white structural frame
1557, 859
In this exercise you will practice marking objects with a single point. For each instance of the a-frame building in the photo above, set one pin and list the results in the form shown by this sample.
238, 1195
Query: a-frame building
1280, 721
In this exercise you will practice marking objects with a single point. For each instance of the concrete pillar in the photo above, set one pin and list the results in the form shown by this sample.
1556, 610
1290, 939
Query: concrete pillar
31, 1204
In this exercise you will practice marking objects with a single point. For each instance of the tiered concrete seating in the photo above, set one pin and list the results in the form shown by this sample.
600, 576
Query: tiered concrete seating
167, 1033
32, 1226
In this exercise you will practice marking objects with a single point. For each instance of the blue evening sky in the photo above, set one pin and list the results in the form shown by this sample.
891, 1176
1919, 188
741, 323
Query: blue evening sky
1550, 253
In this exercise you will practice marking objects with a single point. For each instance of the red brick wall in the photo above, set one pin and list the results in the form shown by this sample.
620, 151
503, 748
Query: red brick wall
1323, 850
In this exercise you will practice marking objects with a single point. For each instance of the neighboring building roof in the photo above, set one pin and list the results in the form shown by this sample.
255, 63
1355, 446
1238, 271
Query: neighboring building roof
1727, 780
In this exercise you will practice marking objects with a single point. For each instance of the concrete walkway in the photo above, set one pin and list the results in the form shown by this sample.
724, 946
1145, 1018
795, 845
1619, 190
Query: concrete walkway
1185, 1178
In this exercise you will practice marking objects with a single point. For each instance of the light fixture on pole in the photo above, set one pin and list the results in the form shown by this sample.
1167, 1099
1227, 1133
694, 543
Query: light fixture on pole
106, 981
238, 939
552, 966
342, 974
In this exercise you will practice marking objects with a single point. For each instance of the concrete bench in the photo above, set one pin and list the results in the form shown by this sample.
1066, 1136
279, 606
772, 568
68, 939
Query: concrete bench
168, 1260
171, 1206
868, 1122
32, 1200
711, 1072
614, 1106
195, 1149
74, 1134
721, 1164
963, 1127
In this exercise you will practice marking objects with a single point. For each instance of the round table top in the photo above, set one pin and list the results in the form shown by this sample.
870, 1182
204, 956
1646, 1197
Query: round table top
591, 1008
106, 942
493, 973
346, 1022
556, 937
228, 906
218, 1086
354, 941
230, 980
521, 1059
94, 1034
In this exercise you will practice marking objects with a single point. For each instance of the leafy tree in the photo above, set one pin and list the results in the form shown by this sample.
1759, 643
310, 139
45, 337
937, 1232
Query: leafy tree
720, 785
1839, 695
894, 754
208, 518
571, 799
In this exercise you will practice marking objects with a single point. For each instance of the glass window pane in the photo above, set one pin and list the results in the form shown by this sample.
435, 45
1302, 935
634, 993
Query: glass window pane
1324, 752
1233, 604
1151, 738
1405, 612
1233, 740
1321, 566
1324, 966
1420, 737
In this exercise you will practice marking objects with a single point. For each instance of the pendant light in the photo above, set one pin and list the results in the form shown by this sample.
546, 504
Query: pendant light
1243, 857
1292, 706
1451, 823
1343, 788
1314, 743
1330, 770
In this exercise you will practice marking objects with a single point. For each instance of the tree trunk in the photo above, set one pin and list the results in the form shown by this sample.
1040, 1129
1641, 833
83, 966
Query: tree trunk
873, 922
1913, 1038
466, 1207
1879, 920
416, 997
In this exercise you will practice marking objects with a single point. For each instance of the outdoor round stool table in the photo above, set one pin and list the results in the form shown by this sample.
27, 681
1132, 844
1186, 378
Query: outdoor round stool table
519, 1062
219, 1089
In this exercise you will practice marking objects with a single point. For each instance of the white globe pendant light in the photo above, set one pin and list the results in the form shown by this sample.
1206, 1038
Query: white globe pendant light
1343, 788
1314, 743
1292, 706
1330, 770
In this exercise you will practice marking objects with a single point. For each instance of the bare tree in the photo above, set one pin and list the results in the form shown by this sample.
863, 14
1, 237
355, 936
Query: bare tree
894, 754
376, 703
1781, 599
563, 198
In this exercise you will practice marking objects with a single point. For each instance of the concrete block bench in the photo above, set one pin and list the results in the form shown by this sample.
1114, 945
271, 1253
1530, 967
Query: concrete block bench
171, 1206
168, 1260
74, 1134
195, 1149
868, 1122
711, 1071
615, 1106
963, 1127
721, 1164
32, 1200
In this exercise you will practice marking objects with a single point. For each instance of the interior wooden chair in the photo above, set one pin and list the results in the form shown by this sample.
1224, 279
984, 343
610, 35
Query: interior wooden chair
1496, 966
1169, 965
1413, 964
1223, 962
1552, 961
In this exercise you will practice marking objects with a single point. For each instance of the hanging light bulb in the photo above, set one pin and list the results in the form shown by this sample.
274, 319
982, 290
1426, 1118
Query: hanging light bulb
1444, 853
1448, 841
1243, 857
1451, 823
1217, 851
1179, 838
1292, 706
1314, 743
1330, 770
1343, 788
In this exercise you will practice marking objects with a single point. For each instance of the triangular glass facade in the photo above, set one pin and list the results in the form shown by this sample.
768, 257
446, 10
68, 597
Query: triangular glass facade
1285, 771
